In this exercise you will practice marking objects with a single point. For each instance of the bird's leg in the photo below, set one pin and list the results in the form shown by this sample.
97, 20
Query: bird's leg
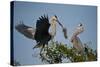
47, 49
52, 40
41, 50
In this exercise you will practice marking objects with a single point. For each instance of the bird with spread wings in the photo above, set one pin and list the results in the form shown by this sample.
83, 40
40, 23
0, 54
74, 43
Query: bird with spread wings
41, 34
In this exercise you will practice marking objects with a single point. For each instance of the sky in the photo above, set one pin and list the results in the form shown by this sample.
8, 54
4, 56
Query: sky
69, 15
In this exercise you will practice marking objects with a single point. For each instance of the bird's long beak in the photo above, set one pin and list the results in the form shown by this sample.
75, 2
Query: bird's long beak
63, 29
60, 24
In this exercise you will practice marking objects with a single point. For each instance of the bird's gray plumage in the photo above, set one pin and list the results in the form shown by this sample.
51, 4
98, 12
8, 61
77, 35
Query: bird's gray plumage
41, 34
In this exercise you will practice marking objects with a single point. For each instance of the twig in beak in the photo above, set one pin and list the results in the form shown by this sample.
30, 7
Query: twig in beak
63, 29
65, 32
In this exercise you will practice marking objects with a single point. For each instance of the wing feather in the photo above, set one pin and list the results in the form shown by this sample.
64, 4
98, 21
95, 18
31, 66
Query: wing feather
27, 31
42, 26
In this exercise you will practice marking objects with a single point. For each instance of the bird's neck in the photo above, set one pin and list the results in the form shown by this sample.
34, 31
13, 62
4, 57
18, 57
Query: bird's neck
53, 29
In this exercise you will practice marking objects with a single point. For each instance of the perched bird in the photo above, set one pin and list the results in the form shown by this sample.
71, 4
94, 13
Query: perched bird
77, 44
53, 22
41, 34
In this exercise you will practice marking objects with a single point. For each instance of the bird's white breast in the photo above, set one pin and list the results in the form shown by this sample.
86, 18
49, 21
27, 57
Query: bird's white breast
52, 29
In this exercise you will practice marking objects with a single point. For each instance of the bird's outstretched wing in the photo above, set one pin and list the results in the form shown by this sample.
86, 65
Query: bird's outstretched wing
42, 27
27, 31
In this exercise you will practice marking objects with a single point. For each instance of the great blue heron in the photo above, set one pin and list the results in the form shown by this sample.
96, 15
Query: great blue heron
77, 44
41, 34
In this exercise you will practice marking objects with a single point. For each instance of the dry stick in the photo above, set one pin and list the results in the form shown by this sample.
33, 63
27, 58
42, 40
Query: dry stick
64, 30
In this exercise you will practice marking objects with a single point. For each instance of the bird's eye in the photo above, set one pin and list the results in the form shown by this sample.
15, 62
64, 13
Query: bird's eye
80, 24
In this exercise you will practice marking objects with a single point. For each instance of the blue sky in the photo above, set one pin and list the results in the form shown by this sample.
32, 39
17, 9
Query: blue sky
69, 15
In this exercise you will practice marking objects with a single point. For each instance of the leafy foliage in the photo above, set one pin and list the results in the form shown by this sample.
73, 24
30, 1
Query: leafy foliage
57, 52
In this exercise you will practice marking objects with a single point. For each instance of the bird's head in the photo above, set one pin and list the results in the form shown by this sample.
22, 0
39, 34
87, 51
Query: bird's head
79, 29
54, 20
80, 24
